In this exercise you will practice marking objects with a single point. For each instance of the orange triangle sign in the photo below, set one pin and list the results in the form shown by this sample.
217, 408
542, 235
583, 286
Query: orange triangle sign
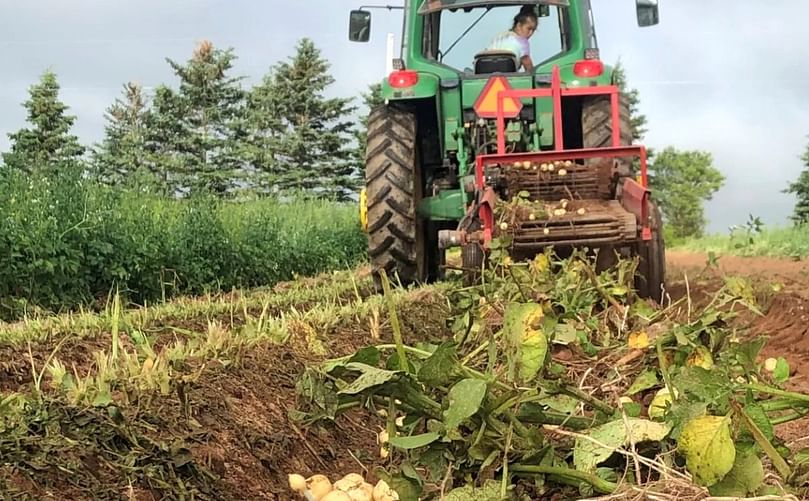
486, 105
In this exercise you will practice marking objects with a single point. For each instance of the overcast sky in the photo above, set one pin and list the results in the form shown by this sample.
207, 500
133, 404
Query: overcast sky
727, 77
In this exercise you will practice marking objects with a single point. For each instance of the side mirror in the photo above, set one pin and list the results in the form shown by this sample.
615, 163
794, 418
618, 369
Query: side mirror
648, 12
544, 11
359, 26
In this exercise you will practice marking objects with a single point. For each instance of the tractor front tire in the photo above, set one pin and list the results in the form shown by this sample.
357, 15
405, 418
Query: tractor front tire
650, 278
396, 240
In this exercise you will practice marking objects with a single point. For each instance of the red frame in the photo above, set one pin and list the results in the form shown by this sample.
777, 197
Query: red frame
635, 195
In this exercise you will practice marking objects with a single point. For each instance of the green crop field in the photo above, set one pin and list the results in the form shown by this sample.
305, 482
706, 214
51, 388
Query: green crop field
66, 243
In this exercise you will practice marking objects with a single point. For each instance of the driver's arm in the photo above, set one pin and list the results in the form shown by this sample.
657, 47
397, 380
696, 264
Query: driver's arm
525, 59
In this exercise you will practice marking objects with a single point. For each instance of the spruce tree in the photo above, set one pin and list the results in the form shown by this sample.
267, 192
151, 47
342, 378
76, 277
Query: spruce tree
121, 157
800, 188
264, 128
315, 151
48, 143
164, 139
636, 118
211, 105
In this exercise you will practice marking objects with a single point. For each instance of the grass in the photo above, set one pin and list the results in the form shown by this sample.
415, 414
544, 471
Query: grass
775, 242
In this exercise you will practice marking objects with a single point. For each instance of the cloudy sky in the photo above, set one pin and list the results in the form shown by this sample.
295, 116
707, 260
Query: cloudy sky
727, 77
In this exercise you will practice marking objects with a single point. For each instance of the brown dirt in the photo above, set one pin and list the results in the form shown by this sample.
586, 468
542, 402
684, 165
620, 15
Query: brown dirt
785, 320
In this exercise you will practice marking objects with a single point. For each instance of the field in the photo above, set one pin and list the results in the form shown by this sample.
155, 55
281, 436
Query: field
222, 396
69, 243
791, 242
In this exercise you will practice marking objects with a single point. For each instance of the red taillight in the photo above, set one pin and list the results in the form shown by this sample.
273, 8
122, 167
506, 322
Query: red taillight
588, 68
403, 78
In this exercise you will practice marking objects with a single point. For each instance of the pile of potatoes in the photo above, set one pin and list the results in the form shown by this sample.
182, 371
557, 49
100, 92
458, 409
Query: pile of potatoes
351, 487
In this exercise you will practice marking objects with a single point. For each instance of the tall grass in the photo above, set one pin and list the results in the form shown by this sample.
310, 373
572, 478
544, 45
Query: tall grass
777, 242
65, 242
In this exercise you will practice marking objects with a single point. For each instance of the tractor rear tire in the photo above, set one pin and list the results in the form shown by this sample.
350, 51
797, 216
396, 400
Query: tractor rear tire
596, 122
396, 240
650, 278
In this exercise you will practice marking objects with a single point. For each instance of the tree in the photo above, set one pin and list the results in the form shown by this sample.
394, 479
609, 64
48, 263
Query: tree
48, 143
314, 146
264, 129
164, 141
370, 100
209, 107
122, 153
632, 96
800, 188
681, 182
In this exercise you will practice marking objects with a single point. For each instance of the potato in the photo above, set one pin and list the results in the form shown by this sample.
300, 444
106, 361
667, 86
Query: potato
349, 482
336, 496
297, 482
319, 486
383, 492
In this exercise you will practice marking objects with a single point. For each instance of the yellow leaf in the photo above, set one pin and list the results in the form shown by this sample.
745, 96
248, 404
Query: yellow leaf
540, 264
700, 357
708, 448
639, 340
657, 408
148, 364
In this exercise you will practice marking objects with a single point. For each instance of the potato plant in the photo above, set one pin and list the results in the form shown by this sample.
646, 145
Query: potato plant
501, 411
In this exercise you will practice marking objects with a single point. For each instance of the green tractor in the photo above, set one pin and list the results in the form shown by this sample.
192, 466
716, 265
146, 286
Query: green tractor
470, 124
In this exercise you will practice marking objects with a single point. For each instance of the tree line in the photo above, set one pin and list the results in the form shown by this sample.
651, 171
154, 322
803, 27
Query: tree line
210, 134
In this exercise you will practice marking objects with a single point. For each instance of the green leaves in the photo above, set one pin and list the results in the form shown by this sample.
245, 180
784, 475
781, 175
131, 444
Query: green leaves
708, 448
370, 377
781, 373
587, 454
414, 441
489, 492
743, 479
645, 380
465, 399
441, 367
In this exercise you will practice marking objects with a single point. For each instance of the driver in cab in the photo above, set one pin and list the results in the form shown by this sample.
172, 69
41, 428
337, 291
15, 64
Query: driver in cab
516, 39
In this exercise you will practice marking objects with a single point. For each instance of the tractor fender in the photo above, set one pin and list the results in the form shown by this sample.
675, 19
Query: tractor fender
426, 87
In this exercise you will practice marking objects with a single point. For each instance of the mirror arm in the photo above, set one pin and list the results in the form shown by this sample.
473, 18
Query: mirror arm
386, 7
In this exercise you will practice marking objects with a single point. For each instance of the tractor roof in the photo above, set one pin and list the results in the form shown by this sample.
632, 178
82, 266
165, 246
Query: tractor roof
429, 6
